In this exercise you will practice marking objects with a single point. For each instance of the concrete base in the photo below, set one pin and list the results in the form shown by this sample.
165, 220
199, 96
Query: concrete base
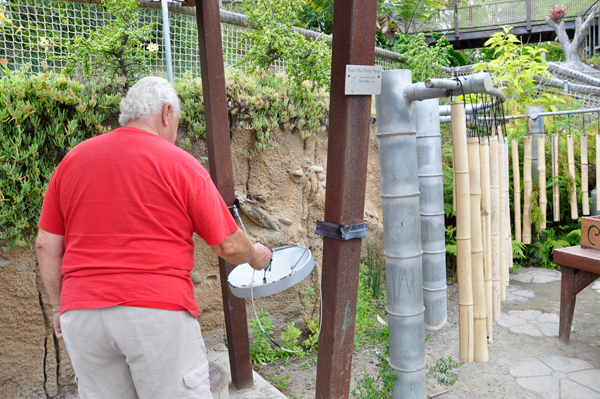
262, 389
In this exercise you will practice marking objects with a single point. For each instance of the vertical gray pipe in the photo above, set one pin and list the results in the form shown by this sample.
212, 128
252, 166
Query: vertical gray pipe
167, 39
431, 187
402, 234
535, 127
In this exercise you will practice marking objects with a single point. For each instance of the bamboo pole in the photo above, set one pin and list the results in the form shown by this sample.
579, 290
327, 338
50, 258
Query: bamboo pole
479, 307
585, 199
508, 224
571, 159
555, 188
495, 227
502, 214
597, 171
543, 201
486, 216
516, 188
527, 186
463, 232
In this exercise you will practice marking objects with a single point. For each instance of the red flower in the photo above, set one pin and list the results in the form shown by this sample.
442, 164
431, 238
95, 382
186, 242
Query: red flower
557, 14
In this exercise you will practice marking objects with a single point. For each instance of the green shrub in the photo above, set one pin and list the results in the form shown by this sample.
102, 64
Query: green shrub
43, 117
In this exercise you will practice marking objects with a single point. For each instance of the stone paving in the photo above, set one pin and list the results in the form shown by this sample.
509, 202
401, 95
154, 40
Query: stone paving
596, 286
530, 322
557, 377
536, 275
517, 293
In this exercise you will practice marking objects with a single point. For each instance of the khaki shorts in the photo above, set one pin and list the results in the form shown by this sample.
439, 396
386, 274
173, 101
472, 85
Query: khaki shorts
126, 352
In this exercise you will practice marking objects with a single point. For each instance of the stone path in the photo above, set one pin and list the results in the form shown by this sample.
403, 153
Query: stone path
517, 293
530, 322
536, 275
557, 377
596, 286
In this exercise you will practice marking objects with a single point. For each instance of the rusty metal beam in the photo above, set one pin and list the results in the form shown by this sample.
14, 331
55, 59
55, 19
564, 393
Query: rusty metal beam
221, 171
349, 125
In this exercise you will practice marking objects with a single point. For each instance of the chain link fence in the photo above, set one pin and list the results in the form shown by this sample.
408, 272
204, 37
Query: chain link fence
37, 33
481, 14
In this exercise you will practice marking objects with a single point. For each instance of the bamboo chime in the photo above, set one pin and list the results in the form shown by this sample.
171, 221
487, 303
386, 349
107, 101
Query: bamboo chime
571, 159
527, 187
555, 188
543, 202
486, 216
463, 232
481, 186
479, 305
516, 188
509, 246
585, 199
495, 228
502, 214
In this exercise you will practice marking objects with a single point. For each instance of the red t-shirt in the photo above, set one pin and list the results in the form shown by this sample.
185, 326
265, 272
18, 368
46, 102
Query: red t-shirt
128, 202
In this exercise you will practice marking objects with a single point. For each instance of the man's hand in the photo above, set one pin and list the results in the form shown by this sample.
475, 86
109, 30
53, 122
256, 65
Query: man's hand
56, 323
263, 257
237, 249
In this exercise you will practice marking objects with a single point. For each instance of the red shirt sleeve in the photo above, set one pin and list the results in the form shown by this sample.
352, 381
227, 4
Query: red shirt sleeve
210, 216
51, 219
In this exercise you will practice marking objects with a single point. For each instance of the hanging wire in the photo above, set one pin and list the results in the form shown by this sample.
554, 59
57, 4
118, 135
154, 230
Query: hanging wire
306, 349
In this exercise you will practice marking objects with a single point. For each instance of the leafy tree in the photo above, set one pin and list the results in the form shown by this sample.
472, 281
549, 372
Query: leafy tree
423, 60
514, 65
116, 50
273, 38
316, 18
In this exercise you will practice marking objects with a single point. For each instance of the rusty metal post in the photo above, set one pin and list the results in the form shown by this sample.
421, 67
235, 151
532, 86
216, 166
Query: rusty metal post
221, 171
349, 120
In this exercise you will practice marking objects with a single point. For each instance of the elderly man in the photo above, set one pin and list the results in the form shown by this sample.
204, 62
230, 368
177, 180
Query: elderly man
115, 250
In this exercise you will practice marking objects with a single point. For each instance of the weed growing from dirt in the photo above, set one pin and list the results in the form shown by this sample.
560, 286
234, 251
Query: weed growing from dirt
442, 371
380, 386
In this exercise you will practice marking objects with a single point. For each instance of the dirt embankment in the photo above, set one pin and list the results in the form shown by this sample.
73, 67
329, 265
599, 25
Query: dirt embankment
284, 188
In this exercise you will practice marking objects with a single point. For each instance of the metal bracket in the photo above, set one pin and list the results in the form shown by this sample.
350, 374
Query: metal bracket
340, 231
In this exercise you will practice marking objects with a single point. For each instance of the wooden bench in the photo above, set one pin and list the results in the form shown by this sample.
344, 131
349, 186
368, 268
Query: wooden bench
580, 267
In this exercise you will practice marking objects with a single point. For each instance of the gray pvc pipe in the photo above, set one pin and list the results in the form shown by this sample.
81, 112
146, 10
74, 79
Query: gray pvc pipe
402, 234
431, 200
469, 108
535, 127
477, 83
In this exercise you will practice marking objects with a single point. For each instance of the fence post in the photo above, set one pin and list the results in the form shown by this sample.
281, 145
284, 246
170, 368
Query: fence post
167, 39
528, 8
221, 172
456, 30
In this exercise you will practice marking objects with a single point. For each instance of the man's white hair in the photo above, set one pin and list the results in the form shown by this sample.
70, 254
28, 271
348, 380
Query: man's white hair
146, 97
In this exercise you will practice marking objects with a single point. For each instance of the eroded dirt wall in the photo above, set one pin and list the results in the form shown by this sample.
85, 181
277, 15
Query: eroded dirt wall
286, 184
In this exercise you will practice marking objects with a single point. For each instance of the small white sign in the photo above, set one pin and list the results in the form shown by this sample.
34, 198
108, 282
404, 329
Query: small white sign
363, 80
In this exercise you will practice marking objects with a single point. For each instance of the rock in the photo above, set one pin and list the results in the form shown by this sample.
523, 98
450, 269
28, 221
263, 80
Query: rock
4, 261
196, 279
297, 172
19, 268
323, 183
321, 177
318, 169
285, 221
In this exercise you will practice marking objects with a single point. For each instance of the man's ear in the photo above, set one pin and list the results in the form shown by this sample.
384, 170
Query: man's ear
166, 114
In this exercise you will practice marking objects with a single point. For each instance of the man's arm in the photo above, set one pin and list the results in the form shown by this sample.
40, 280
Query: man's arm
50, 249
237, 249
